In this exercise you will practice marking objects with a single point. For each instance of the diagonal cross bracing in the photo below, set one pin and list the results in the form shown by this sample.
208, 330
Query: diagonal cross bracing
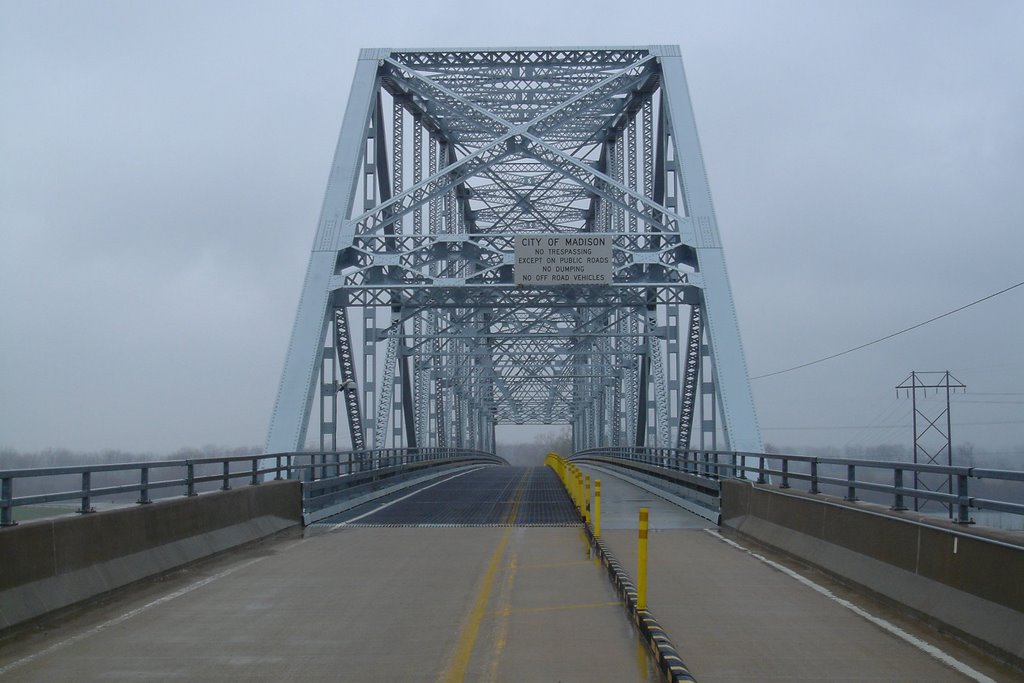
444, 158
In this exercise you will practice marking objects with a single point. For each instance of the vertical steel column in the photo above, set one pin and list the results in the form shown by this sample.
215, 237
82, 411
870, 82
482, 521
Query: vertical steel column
421, 390
398, 429
619, 153
688, 399
632, 358
328, 394
438, 403
657, 429
709, 396
369, 330
675, 367
622, 342
647, 132
631, 171
348, 385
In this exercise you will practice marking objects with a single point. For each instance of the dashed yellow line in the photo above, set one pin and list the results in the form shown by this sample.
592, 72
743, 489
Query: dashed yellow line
502, 613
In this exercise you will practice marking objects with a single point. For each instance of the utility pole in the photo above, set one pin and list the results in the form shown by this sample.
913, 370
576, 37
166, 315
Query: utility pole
936, 437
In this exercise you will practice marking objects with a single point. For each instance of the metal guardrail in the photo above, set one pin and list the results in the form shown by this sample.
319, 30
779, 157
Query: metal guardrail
819, 471
307, 467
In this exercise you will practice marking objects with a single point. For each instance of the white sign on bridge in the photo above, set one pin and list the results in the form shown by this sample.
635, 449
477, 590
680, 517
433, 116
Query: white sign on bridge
578, 259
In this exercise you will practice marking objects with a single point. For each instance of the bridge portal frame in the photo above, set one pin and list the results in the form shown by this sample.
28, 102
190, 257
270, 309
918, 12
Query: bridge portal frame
653, 359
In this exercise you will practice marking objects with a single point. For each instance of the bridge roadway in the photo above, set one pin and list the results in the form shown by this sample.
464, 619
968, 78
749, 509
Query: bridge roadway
485, 576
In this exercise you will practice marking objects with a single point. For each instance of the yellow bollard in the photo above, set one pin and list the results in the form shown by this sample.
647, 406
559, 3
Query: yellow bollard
586, 499
570, 483
641, 561
579, 491
597, 508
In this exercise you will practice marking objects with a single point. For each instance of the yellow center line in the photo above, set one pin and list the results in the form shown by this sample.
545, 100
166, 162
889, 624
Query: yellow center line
520, 490
502, 614
460, 662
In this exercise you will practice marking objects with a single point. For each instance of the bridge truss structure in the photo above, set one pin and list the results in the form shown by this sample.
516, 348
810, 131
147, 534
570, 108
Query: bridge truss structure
411, 329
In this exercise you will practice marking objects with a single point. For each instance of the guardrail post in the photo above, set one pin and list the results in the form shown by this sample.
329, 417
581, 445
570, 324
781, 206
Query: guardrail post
814, 476
597, 508
225, 477
86, 499
144, 487
785, 474
851, 479
278, 474
641, 563
255, 472
760, 470
6, 498
963, 502
897, 484
190, 479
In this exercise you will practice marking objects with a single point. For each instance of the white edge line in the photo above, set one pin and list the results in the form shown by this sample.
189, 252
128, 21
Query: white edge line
126, 616
398, 500
877, 621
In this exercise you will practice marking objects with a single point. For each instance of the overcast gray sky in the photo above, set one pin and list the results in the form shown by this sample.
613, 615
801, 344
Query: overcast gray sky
162, 166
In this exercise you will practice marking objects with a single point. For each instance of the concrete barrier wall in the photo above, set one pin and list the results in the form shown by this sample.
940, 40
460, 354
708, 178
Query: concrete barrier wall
968, 579
49, 564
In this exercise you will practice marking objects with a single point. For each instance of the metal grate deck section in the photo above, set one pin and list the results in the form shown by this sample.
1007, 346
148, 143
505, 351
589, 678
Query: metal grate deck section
489, 497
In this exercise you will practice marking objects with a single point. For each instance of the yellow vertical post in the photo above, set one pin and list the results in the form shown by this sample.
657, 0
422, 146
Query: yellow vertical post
579, 491
597, 508
641, 569
586, 500
571, 484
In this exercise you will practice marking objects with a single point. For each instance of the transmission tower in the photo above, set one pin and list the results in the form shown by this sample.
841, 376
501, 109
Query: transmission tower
933, 435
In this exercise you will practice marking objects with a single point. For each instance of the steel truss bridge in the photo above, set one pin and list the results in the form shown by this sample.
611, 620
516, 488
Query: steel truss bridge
414, 340
411, 329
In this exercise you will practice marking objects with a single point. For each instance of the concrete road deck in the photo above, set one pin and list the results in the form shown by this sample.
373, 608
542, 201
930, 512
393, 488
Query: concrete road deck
734, 617
496, 603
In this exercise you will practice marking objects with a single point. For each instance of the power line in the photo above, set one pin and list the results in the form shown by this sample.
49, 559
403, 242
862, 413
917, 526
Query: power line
816, 429
1006, 403
889, 336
